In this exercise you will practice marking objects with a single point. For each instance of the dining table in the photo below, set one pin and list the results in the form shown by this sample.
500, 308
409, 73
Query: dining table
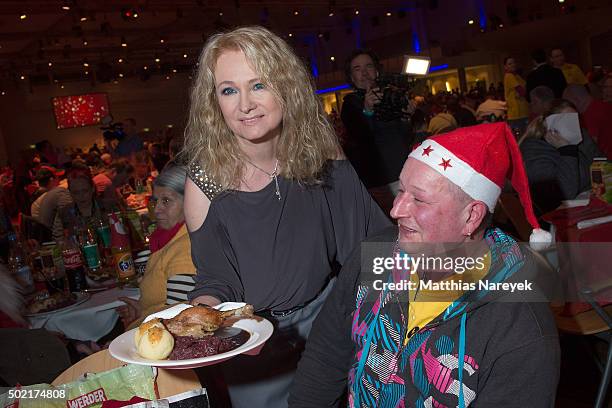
90, 318
583, 244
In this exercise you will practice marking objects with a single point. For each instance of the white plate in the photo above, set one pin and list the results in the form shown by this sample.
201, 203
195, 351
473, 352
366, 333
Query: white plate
81, 297
260, 330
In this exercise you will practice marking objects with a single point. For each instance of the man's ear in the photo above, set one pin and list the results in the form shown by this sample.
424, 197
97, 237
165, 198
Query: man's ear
476, 211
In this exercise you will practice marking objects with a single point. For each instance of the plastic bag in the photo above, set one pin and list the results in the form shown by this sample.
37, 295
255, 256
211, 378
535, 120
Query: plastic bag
89, 392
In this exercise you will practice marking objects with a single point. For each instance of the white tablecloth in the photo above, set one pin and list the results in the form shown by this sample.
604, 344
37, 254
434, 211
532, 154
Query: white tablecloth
90, 320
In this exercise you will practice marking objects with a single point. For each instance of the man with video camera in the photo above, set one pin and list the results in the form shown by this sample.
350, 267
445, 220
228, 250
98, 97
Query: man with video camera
375, 117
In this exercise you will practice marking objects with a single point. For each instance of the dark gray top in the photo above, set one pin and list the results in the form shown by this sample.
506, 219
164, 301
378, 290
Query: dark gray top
279, 254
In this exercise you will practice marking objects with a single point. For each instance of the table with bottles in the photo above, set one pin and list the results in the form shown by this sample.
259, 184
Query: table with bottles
70, 285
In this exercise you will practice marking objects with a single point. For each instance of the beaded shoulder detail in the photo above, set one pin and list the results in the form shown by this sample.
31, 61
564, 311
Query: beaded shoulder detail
203, 181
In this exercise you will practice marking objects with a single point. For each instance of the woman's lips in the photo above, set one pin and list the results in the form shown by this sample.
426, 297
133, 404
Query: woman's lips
251, 121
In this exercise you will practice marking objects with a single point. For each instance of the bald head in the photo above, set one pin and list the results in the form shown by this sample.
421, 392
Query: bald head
579, 96
541, 99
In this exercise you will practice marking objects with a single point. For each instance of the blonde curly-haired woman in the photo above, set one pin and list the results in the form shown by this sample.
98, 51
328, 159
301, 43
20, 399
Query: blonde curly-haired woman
271, 206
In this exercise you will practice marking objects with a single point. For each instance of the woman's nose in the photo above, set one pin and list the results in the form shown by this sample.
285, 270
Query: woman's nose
246, 103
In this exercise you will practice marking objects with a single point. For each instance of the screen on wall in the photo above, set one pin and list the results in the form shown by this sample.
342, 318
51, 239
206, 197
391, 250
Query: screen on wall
80, 110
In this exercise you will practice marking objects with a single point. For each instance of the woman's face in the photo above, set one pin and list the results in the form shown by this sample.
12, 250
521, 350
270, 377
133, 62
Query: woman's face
168, 207
249, 108
81, 191
510, 65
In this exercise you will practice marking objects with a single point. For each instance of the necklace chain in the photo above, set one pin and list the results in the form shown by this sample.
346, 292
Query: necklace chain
273, 175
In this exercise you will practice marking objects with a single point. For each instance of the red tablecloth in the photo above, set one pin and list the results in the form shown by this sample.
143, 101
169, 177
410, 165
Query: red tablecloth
584, 253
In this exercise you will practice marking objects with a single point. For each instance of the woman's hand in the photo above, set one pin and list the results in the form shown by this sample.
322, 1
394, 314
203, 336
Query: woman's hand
206, 300
130, 312
555, 139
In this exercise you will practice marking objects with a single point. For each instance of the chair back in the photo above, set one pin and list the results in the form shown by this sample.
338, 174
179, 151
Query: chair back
30, 228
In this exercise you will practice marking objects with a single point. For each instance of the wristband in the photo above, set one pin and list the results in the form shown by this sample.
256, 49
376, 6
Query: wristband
367, 113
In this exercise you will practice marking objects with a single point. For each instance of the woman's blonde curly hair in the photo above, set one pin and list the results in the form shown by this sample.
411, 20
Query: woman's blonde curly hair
307, 139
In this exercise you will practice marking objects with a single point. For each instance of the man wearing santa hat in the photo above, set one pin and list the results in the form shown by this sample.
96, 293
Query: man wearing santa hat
399, 331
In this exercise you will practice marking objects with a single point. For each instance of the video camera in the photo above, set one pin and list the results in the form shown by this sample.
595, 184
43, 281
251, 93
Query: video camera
393, 91
112, 130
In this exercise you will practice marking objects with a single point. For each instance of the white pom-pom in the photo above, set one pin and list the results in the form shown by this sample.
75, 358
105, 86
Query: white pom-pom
540, 239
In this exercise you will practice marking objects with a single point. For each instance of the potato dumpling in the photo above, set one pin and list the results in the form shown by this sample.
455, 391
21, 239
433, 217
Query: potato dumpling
144, 327
156, 343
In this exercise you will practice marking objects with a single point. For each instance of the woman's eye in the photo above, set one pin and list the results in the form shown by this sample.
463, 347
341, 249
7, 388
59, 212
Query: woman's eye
418, 200
258, 86
228, 91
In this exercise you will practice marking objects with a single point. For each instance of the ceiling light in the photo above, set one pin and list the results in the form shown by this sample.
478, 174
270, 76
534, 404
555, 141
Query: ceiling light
184, 55
388, 14
3, 93
85, 64
123, 42
85, 42
23, 16
66, 7
157, 59
331, 13
50, 64
120, 75
356, 12
332, 58
220, 14
22, 77
161, 41
295, 13
120, 60
290, 34
135, 15
167, 76
174, 70
470, 22
86, 72
62, 86
145, 67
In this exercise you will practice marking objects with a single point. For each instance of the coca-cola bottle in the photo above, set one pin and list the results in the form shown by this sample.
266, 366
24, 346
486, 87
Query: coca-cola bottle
73, 263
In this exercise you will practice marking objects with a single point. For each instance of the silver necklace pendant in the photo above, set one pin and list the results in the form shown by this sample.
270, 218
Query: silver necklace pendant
278, 194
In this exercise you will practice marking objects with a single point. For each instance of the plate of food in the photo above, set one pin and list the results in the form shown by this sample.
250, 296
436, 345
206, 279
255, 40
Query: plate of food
55, 303
186, 336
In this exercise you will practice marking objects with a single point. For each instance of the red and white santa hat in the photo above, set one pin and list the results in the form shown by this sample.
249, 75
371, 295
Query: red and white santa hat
478, 159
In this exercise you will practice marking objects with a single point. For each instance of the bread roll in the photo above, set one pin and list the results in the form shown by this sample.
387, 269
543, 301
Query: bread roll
156, 343
144, 327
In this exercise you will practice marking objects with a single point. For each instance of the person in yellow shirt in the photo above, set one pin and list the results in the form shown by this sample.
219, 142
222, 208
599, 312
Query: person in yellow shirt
515, 95
170, 272
573, 74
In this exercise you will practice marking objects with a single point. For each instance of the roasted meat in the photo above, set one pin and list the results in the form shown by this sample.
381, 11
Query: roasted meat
202, 321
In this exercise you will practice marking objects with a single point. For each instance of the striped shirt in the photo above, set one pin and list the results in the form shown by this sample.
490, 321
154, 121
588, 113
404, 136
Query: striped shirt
177, 288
